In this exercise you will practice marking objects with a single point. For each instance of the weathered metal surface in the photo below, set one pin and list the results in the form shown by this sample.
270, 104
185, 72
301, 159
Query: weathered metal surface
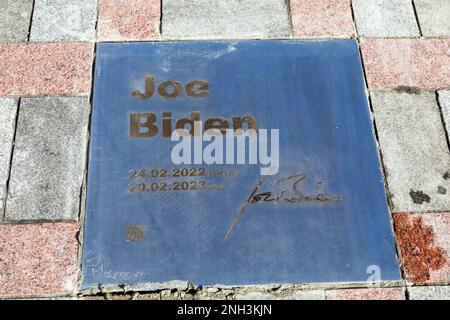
322, 217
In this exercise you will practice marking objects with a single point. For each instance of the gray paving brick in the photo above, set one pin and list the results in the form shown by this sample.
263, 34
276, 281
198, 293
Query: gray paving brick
434, 17
293, 295
15, 20
8, 109
225, 19
385, 18
444, 101
49, 159
429, 293
414, 150
64, 20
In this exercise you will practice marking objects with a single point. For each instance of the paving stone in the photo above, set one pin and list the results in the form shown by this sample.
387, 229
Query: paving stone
208, 19
420, 63
255, 295
293, 295
8, 110
15, 20
305, 295
322, 19
424, 241
45, 69
49, 159
385, 18
366, 294
429, 293
121, 20
64, 20
444, 101
434, 17
414, 149
38, 259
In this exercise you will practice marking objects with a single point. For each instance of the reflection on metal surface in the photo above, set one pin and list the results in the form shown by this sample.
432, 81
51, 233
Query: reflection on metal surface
152, 217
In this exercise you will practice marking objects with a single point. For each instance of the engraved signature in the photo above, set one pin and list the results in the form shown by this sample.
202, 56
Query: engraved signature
287, 190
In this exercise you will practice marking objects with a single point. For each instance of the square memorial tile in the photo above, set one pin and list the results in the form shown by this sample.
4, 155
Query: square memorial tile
212, 212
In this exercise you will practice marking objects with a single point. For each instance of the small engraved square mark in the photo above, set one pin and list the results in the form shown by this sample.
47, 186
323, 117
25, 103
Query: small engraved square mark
135, 232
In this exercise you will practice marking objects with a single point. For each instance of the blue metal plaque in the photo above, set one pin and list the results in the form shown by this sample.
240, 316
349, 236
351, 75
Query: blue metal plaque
305, 205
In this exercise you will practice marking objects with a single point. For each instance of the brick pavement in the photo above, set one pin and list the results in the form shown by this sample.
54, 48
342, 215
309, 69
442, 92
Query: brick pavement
46, 59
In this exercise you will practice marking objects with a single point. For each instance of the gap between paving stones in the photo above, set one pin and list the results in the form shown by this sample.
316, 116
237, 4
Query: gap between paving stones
444, 124
276, 289
291, 25
31, 21
417, 18
10, 161
83, 191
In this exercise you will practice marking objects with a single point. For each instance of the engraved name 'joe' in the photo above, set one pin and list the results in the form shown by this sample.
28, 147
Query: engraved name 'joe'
171, 89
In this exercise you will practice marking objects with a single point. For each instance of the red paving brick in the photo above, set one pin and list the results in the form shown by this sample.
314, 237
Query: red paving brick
38, 259
326, 18
366, 294
129, 19
420, 63
424, 240
45, 69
